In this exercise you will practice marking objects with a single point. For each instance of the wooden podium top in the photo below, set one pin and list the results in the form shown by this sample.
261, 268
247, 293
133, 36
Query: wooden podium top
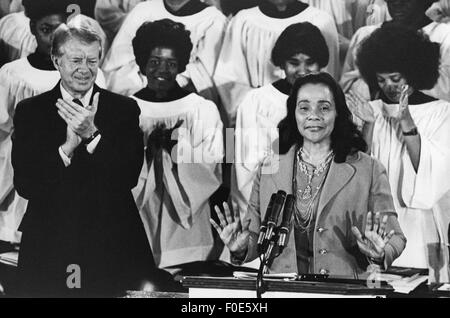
329, 286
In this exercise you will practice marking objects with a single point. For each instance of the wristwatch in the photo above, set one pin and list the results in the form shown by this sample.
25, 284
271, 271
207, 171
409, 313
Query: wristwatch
412, 132
87, 141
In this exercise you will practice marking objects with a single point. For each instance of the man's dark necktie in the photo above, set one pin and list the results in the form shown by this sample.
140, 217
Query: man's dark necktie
77, 101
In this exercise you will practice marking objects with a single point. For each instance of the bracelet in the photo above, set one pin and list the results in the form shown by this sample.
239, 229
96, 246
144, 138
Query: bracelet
87, 141
412, 132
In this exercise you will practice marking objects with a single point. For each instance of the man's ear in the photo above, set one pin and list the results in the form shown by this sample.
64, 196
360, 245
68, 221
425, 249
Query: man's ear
55, 61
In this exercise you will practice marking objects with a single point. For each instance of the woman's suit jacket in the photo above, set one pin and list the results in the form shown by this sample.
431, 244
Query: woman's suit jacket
351, 190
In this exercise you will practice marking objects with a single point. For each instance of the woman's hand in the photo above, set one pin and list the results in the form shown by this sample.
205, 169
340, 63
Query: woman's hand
360, 107
375, 238
404, 115
232, 233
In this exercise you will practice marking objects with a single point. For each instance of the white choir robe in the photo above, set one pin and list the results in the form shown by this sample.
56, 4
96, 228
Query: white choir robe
18, 81
437, 32
178, 228
207, 28
369, 12
256, 130
17, 41
245, 59
341, 11
422, 199
111, 13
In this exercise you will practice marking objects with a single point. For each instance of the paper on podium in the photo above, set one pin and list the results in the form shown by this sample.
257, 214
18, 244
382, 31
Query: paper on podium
9, 258
405, 285
285, 276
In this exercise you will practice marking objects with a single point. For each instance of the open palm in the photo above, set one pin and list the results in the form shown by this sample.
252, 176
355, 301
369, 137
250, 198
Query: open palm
231, 232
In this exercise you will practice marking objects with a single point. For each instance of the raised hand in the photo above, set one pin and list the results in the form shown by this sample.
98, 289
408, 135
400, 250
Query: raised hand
375, 238
231, 232
78, 118
360, 107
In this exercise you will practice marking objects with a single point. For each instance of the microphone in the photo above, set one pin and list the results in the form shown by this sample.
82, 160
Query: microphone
286, 222
263, 227
272, 221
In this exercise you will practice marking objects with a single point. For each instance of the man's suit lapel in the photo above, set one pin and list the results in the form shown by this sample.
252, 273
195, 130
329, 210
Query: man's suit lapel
59, 123
100, 115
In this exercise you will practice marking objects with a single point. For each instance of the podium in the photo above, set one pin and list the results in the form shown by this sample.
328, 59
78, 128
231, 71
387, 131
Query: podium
231, 287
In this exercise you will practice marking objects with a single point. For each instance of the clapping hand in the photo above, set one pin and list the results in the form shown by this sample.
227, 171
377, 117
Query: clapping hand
231, 232
437, 13
80, 119
360, 107
403, 103
375, 238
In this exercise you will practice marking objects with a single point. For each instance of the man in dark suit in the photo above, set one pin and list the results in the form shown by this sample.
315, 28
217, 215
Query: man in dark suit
77, 153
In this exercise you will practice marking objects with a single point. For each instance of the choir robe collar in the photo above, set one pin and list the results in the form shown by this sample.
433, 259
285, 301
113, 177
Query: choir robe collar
41, 62
150, 96
190, 8
292, 9
416, 98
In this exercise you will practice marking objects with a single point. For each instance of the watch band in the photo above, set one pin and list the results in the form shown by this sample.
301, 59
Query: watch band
90, 139
412, 132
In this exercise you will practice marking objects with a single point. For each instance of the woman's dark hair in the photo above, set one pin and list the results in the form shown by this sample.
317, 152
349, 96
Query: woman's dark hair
300, 38
38, 9
162, 33
398, 48
345, 138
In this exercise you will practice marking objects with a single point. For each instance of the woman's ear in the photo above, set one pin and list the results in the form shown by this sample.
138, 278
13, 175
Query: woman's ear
33, 27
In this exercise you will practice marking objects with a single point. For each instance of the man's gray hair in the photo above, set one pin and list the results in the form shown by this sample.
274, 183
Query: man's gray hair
65, 33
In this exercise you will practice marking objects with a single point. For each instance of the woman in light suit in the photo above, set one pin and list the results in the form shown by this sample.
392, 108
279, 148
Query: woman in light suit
344, 217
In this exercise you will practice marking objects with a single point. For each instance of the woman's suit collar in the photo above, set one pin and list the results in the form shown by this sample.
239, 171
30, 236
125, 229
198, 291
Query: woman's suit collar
338, 175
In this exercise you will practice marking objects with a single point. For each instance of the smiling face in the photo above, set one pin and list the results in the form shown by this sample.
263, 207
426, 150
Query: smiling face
391, 84
299, 65
42, 30
78, 65
161, 70
315, 113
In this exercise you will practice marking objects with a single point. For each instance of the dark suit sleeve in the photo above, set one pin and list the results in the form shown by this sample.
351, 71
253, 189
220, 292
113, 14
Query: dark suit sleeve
38, 167
120, 153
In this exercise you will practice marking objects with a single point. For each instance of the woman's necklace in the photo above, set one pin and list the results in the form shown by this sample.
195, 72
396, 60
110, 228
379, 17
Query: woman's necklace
317, 171
305, 199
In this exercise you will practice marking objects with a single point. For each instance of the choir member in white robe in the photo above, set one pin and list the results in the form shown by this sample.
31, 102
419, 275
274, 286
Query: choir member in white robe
21, 79
178, 175
341, 11
300, 49
409, 133
369, 12
17, 40
111, 14
244, 61
206, 24
415, 16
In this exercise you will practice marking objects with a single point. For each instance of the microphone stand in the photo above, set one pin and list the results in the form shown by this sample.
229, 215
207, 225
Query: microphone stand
265, 259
